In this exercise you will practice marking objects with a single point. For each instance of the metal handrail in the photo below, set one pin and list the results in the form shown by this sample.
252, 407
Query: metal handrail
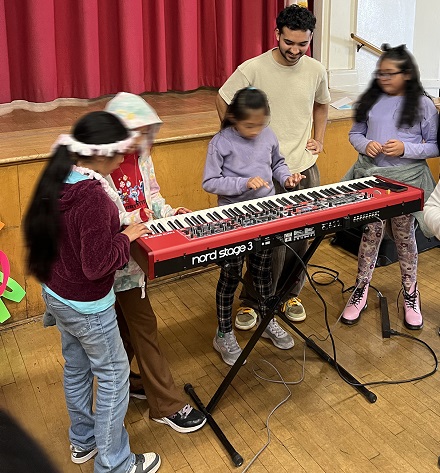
362, 42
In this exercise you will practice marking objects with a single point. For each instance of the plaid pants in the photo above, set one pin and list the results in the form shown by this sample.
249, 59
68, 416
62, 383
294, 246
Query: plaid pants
260, 268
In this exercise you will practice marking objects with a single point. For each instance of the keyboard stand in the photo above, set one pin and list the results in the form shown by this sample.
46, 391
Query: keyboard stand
272, 303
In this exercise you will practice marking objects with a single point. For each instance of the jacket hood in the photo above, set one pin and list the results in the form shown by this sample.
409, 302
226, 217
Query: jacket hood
134, 112
74, 194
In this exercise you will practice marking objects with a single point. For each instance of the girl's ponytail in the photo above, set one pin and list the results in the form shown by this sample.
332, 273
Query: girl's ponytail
41, 223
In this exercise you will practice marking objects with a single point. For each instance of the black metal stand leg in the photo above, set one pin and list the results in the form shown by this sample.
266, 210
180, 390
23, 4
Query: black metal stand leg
236, 458
281, 296
241, 359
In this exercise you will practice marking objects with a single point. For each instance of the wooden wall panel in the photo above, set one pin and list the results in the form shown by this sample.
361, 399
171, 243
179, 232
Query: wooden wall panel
10, 198
338, 155
179, 171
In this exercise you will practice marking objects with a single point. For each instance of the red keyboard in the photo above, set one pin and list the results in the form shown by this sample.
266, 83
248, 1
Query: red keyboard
209, 236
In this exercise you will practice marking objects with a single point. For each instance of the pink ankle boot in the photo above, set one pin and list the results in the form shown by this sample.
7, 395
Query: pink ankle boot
355, 305
413, 319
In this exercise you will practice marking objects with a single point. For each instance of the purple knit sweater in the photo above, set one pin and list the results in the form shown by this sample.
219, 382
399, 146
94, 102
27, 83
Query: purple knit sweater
91, 247
232, 160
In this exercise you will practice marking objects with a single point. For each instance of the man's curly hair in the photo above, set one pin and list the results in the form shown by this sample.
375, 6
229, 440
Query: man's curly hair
296, 18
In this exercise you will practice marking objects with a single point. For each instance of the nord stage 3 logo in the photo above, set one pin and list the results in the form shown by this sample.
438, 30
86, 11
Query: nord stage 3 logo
230, 251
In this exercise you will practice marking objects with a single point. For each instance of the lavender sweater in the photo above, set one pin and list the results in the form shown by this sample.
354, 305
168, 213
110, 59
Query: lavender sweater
91, 248
232, 160
420, 140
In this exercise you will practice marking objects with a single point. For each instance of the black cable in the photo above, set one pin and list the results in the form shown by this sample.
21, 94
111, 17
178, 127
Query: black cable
335, 278
417, 378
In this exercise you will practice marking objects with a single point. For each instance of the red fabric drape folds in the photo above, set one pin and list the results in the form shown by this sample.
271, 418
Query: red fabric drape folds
87, 48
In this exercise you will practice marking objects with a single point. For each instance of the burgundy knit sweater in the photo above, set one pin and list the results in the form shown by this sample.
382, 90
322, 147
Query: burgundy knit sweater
91, 247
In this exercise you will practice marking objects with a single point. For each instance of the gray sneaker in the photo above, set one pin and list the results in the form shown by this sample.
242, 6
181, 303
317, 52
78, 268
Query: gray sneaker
226, 344
280, 338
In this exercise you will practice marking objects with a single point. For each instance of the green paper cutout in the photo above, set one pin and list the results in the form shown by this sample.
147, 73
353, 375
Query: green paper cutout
4, 312
14, 292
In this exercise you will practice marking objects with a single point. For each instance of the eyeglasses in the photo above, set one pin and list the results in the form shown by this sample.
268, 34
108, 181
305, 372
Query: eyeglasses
386, 75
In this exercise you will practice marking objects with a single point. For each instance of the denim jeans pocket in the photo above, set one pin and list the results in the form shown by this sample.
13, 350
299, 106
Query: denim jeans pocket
66, 317
48, 319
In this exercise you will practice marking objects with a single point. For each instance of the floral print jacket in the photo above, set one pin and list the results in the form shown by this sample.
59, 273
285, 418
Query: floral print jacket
131, 275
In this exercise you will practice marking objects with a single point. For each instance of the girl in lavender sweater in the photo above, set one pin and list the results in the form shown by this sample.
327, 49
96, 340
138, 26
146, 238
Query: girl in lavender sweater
242, 160
395, 130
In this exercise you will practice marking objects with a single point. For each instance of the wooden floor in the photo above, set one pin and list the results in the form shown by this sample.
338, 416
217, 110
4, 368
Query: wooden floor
325, 426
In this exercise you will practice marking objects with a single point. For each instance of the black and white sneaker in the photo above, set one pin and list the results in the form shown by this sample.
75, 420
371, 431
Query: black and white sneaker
79, 455
138, 393
146, 463
184, 421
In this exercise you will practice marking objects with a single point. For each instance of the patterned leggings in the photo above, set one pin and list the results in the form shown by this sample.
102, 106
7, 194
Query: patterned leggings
260, 267
404, 236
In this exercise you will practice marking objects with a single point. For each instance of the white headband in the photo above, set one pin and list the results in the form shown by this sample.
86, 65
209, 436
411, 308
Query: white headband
84, 149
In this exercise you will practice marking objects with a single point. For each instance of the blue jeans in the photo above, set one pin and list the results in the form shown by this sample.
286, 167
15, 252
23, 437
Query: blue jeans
91, 347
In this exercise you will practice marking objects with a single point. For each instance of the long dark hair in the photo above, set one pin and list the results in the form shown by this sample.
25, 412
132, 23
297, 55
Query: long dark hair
244, 100
42, 219
413, 87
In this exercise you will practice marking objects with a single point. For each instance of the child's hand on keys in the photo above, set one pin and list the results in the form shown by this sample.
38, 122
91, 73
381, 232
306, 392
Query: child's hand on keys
183, 210
256, 182
294, 180
136, 230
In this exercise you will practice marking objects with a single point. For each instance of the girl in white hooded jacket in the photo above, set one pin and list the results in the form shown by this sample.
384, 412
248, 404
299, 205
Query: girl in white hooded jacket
140, 200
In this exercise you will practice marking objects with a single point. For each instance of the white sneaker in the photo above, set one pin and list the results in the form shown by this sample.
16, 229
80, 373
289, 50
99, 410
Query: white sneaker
246, 318
226, 344
280, 338
294, 310
146, 463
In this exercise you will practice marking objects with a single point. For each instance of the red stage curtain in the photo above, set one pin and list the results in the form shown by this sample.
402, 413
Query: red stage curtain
88, 48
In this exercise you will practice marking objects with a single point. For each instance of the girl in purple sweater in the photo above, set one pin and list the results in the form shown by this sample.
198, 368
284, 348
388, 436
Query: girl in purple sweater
242, 160
75, 246
395, 130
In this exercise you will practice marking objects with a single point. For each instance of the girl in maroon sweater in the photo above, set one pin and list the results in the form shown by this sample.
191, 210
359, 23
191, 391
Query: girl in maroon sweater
75, 246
